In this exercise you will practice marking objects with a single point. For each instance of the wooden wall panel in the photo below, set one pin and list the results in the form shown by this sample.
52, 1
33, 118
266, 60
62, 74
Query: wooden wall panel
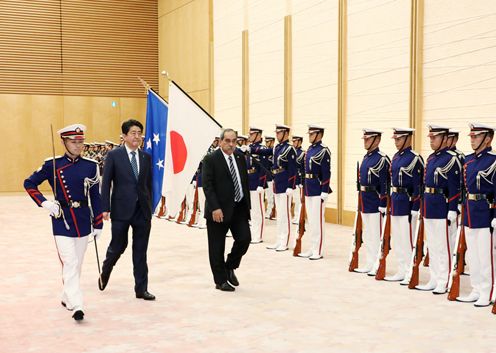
184, 47
378, 79
28, 119
166, 6
78, 47
27, 140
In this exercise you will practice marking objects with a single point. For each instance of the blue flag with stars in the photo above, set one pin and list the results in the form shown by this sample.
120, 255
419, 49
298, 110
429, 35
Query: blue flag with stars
155, 141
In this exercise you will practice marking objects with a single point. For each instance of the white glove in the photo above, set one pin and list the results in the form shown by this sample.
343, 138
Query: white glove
414, 214
493, 223
193, 183
52, 207
260, 189
452, 216
382, 210
244, 148
97, 233
324, 196
289, 191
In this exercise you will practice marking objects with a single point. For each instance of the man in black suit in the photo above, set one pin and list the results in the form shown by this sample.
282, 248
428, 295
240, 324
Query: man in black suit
227, 207
128, 173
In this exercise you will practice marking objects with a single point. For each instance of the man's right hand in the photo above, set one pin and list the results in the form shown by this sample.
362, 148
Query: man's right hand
217, 215
106, 215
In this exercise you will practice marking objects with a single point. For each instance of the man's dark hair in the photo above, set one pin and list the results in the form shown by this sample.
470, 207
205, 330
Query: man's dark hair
128, 124
227, 130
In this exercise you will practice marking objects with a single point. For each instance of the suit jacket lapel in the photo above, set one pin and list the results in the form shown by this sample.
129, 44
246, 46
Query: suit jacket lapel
222, 160
141, 164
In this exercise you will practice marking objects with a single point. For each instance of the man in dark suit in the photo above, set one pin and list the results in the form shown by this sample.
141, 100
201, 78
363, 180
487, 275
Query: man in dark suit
128, 173
227, 207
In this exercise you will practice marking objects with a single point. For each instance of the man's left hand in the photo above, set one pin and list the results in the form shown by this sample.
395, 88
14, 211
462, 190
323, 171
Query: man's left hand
324, 196
97, 233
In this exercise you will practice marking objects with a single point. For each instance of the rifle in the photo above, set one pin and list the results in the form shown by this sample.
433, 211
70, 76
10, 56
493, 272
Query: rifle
195, 206
182, 213
161, 211
426, 260
356, 242
459, 257
385, 241
418, 251
273, 212
301, 222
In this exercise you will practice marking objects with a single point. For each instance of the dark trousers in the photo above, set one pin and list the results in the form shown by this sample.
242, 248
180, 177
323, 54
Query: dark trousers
240, 230
141, 233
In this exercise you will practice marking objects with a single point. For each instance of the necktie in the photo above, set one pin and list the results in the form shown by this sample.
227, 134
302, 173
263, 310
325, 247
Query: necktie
237, 189
134, 164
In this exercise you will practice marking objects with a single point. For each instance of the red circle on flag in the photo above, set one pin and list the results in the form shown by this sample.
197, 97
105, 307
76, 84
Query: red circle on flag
179, 151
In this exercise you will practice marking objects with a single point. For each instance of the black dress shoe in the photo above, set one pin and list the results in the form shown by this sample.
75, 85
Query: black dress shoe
231, 278
225, 287
78, 315
145, 295
103, 280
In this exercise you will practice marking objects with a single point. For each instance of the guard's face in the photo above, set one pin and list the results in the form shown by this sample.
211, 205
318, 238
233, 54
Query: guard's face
367, 141
436, 141
253, 137
476, 140
133, 137
73, 147
312, 137
280, 135
296, 143
228, 143
399, 141
453, 141
269, 143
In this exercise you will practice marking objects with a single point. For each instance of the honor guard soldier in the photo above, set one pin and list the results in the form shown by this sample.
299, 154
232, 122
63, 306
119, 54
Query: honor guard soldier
256, 182
255, 144
407, 170
284, 174
76, 211
267, 162
452, 141
317, 178
300, 170
479, 184
374, 180
440, 206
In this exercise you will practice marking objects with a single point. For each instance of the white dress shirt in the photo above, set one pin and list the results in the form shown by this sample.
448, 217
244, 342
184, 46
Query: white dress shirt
131, 156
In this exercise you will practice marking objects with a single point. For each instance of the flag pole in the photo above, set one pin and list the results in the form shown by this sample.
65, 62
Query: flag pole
144, 84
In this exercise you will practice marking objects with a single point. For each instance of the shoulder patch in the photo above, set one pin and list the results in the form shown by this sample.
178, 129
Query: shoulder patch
453, 153
491, 152
415, 153
50, 158
382, 154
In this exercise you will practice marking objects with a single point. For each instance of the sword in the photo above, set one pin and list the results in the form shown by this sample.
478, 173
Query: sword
61, 213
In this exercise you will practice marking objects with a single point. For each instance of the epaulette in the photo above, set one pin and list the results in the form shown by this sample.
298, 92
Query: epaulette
492, 152
453, 153
89, 159
415, 153
382, 154
50, 158
323, 145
